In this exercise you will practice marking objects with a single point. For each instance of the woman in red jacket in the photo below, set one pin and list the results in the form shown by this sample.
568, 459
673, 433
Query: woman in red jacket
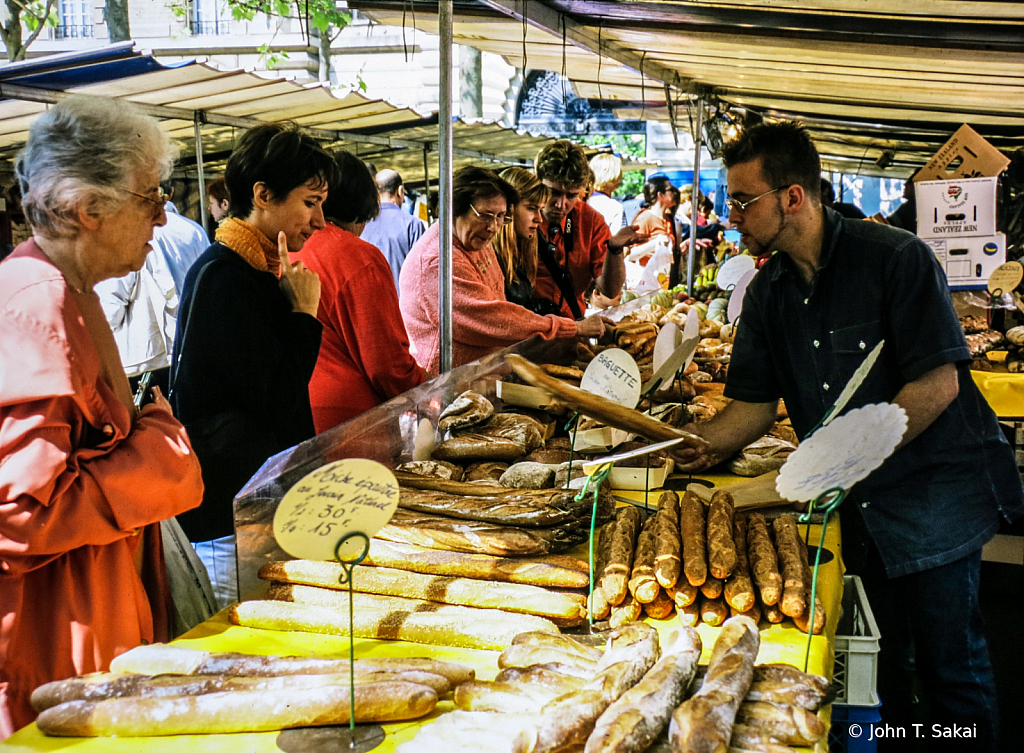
85, 477
364, 354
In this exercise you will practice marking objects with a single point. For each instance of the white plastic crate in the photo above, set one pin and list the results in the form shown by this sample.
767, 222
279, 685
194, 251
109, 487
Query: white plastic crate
856, 668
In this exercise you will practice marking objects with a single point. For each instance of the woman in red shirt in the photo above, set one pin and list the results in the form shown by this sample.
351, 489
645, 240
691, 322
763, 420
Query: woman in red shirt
364, 354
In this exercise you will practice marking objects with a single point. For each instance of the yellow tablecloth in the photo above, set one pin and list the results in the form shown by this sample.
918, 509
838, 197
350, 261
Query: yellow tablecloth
1004, 392
779, 643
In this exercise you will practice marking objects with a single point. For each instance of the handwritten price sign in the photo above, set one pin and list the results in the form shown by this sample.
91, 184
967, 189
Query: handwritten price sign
344, 496
614, 375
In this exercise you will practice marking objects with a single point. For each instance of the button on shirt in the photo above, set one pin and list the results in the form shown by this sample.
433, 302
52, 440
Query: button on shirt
938, 498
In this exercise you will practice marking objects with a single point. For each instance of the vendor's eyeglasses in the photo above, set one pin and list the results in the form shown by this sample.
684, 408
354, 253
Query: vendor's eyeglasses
735, 204
158, 203
490, 219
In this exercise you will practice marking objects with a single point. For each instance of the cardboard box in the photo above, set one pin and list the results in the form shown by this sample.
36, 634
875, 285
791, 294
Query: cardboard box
524, 395
965, 155
603, 438
951, 208
969, 261
638, 479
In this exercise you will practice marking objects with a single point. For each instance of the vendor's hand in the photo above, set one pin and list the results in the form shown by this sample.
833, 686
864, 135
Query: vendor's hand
159, 403
691, 458
592, 326
300, 286
627, 237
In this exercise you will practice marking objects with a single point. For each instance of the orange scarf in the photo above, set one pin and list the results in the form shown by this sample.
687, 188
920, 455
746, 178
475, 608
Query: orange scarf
251, 244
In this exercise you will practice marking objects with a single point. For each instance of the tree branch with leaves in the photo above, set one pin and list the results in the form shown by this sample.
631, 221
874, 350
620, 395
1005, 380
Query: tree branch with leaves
35, 15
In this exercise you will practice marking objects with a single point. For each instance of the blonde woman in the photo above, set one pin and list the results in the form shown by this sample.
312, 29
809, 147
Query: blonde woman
515, 245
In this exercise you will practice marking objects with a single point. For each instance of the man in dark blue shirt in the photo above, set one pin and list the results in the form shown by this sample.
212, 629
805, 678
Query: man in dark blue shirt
914, 528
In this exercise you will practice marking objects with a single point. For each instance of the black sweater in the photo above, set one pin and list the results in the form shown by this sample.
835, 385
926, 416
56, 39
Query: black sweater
242, 364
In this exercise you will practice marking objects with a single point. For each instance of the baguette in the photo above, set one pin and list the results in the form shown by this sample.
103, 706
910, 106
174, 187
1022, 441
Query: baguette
661, 607
713, 611
667, 542
625, 613
683, 594
787, 724
528, 507
160, 658
721, 545
558, 571
773, 614
615, 578
523, 656
788, 544
562, 642
595, 406
739, 588
598, 605
803, 621
746, 738
569, 719
704, 723
764, 565
486, 628
237, 711
692, 533
475, 537
712, 587
689, 615
801, 695
512, 597
502, 697
788, 674
642, 583
635, 720
754, 613
105, 686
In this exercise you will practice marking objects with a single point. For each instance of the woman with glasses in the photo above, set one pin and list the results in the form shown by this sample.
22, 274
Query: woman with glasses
85, 477
364, 357
248, 337
483, 319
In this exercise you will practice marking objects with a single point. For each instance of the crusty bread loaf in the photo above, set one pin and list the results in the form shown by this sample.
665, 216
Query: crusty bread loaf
467, 409
764, 565
720, 542
639, 715
615, 577
739, 587
789, 547
787, 724
667, 542
693, 534
660, 607
703, 724
642, 583
432, 468
475, 446
487, 629
159, 658
512, 597
559, 571
237, 711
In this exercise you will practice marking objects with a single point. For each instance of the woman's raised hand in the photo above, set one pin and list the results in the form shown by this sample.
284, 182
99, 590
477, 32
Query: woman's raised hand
300, 286
592, 326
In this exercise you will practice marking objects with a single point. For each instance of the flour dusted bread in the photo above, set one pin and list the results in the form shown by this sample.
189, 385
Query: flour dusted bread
237, 711
468, 409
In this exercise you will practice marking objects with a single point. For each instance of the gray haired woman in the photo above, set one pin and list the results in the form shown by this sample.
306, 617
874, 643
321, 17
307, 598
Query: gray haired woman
84, 477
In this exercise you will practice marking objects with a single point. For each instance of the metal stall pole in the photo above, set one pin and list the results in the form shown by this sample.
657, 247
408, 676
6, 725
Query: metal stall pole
197, 124
694, 203
444, 182
426, 179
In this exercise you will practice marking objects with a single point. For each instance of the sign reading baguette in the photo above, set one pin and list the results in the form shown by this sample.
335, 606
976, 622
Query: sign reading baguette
614, 375
336, 499
1005, 278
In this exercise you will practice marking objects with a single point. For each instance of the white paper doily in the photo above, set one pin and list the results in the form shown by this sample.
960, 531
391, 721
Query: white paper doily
842, 453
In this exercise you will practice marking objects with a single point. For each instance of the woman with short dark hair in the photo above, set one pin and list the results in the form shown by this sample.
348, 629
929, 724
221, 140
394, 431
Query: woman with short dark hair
364, 356
483, 321
248, 336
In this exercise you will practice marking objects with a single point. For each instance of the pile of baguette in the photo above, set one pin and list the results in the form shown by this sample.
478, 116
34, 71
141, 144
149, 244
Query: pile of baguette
165, 690
412, 593
706, 562
558, 693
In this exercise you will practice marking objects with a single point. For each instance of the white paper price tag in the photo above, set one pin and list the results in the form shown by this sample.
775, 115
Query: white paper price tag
666, 344
1006, 277
692, 327
842, 453
335, 499
731, 271
613, 374
736, 297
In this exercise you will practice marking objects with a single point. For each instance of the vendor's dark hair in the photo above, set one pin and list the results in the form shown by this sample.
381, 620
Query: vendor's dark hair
279, 156
353, 196
563, 162
788, 156
654, 186
471, 183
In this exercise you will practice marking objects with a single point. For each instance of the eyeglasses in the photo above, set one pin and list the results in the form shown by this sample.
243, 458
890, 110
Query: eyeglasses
735, 204
501, 219
158, 203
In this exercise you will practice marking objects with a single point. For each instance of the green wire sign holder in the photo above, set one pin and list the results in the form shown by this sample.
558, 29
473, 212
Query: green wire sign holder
331, 514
